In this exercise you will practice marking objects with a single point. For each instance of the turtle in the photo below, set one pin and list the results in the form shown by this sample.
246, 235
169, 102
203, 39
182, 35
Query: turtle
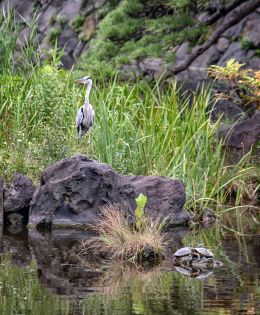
202, 253
183, 270
203, 263
194, 273
182, 256
204, 274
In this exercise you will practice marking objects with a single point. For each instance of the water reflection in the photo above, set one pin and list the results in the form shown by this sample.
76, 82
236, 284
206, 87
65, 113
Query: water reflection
76, 287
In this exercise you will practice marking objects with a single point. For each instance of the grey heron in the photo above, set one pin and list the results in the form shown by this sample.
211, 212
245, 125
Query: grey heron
85, 115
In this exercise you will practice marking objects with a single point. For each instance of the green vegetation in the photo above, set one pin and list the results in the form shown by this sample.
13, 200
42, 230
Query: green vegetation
245, 82
59, 19
245, 43
126, 33
77, 23
139, 129
119, 240
53, 34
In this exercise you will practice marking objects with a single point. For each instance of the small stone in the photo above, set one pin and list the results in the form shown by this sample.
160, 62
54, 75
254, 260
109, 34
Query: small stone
182, 50
254, 63
209, 57
202, 17
250, 53
251, 30
153, 67
234, 51
222, 44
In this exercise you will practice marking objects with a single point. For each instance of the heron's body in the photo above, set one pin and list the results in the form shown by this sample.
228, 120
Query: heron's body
86, 114
85, 119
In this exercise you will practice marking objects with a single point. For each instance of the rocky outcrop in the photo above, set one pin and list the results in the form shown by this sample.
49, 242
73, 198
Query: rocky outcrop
18, 196
71, 22
75, 22
73, 191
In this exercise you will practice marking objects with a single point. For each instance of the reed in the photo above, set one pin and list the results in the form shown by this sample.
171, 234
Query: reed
119, 240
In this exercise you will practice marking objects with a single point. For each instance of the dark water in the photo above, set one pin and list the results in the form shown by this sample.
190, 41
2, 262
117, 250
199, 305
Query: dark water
42, 274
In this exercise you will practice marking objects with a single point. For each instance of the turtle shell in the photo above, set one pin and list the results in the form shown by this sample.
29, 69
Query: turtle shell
184, 251
204, 252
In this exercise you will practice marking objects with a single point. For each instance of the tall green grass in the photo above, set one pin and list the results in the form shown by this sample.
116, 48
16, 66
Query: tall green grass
139, 129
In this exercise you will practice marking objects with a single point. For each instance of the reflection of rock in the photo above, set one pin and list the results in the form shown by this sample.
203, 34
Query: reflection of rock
15, 243
15, 219
59, 267
73, 190
17, 197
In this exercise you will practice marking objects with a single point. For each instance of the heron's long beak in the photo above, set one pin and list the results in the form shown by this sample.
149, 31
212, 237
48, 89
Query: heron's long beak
80, 81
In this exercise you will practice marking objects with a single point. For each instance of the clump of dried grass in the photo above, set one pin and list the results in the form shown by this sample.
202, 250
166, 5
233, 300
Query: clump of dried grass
117, 239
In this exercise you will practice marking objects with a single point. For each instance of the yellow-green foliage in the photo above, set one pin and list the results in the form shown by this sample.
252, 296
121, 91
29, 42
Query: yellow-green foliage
245, 81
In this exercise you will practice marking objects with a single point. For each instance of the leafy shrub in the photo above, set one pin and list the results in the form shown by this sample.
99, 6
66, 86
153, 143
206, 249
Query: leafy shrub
245, 82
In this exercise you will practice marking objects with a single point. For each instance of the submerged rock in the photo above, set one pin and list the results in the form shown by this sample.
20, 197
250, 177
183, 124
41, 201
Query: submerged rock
73, 191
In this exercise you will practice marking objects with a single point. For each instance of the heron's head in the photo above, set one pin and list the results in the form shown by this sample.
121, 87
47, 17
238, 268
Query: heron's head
85, 80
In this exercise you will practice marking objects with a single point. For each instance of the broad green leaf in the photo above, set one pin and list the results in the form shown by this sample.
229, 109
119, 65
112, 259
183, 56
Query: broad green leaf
141, 201
139, 212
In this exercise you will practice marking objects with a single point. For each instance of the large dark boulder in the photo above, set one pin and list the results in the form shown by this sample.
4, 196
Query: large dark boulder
227, 111
244, 135
18, 196
73, 191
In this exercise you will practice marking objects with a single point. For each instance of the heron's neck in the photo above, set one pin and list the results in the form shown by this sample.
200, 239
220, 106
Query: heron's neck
88, 92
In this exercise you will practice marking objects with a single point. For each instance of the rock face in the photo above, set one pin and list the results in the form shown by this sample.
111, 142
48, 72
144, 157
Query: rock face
71, 22
74, 23
73, 191
17, 197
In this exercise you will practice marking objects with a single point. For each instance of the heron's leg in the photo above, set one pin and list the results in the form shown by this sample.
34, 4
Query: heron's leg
89, 141
79, 135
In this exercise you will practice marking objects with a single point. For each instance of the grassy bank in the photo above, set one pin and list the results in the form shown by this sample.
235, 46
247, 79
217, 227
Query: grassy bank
139, 128
137, 29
